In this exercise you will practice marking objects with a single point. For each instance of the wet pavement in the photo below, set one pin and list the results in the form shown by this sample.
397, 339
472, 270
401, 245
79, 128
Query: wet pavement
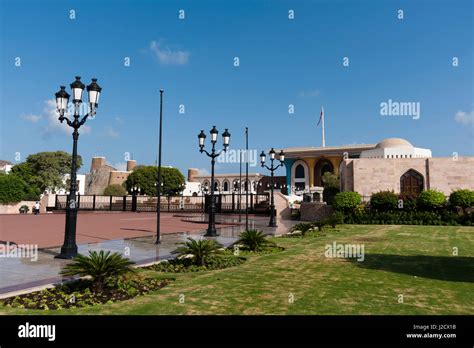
17, 274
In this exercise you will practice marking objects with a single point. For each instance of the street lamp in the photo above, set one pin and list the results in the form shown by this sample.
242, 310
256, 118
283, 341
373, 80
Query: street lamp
272, 168
211, 230
69, 248
135, 190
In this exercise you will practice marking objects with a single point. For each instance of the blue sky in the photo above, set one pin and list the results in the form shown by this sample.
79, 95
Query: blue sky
282, 62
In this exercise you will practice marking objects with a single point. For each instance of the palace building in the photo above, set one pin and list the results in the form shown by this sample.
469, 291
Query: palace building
393, 164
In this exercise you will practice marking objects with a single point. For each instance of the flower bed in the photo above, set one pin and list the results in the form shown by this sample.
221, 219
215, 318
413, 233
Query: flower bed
80, 293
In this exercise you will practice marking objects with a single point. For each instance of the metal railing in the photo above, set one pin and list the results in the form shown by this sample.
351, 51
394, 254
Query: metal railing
225, 203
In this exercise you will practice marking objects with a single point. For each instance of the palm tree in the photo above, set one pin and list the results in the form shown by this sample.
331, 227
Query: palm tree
254, 240
200, 249
99, 266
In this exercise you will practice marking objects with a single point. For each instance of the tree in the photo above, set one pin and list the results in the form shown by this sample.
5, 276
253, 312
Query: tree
330, 180
12, 189
45, 170
346, 201
24, 172
51, 167
329, 193
115, 190
145, 177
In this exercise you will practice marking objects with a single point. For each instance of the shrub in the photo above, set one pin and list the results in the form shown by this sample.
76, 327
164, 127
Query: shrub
329, 194
199, 249
320, 224
446, 217
408, 201
100, 266
115, 190
302, 227
384, 201
430, 200
346, 201
462, 198
254, 240
12, 189
212, 262
467, 219
24, 209
330, 180
335, 219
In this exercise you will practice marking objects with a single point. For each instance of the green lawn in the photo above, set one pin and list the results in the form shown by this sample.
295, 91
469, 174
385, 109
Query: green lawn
414, 261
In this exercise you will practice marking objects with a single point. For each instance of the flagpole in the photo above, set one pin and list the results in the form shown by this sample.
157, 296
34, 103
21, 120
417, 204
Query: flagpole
322, 123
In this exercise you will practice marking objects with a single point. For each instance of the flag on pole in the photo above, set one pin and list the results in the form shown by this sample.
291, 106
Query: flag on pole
321, 115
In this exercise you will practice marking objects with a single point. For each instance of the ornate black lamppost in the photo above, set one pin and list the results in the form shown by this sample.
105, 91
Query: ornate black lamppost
211, 230
69, 248
135, 190
272, 168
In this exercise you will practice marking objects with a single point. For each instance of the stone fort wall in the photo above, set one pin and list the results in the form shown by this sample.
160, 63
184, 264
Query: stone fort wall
102, 175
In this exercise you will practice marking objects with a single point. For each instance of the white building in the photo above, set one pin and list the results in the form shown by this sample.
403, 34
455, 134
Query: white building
5, 166
395, 148
81, 185
223, 183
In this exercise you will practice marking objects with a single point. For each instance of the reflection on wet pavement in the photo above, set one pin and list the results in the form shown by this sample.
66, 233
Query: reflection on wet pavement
22, 273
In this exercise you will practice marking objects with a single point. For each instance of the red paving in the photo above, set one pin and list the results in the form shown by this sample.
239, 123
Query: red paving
47, 230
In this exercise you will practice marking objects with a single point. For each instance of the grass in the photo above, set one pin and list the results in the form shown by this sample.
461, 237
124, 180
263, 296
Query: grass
414, 261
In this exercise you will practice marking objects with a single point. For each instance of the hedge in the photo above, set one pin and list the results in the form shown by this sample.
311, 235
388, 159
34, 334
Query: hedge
446, 217
115, 190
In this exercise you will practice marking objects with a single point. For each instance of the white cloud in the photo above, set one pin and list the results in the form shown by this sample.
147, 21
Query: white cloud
166, 56
31, 118
465, 118
309, 94
53, 125
111, 132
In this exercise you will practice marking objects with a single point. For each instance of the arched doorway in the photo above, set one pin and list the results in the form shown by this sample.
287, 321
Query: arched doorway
322, 166
299, 176
411, 183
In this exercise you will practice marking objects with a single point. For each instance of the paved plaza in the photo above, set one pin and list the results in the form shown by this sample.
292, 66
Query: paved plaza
130, 233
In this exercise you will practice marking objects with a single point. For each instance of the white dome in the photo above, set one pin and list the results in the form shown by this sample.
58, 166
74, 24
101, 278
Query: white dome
393, 142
